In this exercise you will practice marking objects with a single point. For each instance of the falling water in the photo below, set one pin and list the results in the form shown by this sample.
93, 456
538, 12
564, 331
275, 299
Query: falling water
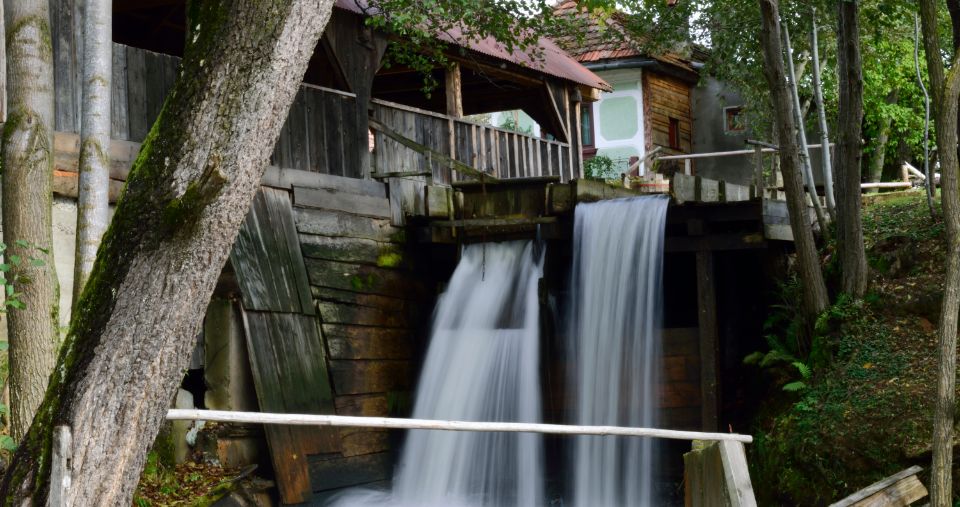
482, 365
614, 333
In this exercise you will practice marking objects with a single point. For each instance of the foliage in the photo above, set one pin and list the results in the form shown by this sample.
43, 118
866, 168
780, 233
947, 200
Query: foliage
510, 123
599, 167
864, 408
11, 296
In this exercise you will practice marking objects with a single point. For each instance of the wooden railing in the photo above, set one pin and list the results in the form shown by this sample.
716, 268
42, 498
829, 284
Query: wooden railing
497, 152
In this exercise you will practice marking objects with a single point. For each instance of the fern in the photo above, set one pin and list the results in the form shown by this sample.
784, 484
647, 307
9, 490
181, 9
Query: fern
795, 386
803, 369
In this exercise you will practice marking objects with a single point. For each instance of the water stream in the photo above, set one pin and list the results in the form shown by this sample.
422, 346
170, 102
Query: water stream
482, 365
614, 327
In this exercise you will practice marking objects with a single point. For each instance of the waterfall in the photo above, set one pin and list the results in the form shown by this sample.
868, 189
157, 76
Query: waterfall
482, 365
614, 328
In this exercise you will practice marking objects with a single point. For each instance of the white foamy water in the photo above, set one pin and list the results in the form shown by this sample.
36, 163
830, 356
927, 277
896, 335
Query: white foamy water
482, 365
614, 331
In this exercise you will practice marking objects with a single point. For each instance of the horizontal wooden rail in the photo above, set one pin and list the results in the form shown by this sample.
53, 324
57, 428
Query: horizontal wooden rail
428, 424
733, 153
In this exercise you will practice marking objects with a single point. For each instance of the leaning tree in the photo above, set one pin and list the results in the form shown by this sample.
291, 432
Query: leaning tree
197, 172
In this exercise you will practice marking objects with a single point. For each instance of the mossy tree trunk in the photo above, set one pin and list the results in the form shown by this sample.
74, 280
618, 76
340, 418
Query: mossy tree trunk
27, 215
93, 203
134, 327
808, 261
945, 90
853, 256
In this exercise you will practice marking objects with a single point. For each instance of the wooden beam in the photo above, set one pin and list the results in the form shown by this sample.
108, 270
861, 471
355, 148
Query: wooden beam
493, 222
709, 340
880, 486
454, 90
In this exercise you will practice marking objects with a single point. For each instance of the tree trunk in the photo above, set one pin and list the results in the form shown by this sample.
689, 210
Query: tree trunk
814, 290
825, 166
945, 93
198, 170
93, 205
27, 193
853, 257
806, 167
883, 136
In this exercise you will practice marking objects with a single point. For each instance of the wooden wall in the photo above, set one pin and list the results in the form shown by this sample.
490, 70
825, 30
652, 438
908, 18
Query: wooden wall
680, 384
666, 97
331, 303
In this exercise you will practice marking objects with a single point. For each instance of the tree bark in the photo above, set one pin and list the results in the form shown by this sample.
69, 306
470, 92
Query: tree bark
878, 158
825, 166
853, 256
27, 215
811, 278
135, 324
93, 205
945, 91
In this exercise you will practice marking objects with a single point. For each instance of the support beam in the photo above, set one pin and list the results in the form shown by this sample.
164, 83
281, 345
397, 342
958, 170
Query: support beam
454, 90
709, 341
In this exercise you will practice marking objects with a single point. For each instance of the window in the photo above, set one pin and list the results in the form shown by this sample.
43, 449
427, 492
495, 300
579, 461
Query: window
674, 134
734, 121
586, 126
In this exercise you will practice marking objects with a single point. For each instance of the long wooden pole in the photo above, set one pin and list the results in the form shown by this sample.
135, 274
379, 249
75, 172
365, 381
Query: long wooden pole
429, 424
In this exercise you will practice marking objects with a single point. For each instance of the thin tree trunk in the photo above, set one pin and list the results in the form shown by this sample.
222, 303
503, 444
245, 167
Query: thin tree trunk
879, 156
93, 206
27, 193
945, 92
191, 186
853, 256
814, 290
929, 184
822, 119
802, 135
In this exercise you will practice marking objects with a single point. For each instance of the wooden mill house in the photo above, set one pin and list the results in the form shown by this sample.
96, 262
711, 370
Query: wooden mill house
325, 302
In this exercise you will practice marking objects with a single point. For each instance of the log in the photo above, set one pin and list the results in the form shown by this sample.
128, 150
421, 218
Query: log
429, 424
887, 184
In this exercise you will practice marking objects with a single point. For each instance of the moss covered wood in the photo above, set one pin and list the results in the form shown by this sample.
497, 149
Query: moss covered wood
94, 181
27, 220
194, 179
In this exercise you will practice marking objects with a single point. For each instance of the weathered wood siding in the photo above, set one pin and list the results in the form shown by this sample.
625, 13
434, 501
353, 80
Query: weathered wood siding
321, 134
680, 379
499, 152
330, 305
369, 303
666, 97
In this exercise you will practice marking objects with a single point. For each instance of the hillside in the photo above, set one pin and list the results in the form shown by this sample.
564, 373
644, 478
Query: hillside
858, 407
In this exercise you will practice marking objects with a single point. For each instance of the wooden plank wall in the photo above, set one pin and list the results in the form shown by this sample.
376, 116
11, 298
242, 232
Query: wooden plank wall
666, 97
369, 305
680, 384
318, 135
331, 304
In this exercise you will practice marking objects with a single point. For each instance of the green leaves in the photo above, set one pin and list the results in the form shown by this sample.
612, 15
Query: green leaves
34, 259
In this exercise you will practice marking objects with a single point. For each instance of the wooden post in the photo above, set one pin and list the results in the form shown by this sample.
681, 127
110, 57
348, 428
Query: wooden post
709, 340
454, 91
758, 160
60, 476
687, 167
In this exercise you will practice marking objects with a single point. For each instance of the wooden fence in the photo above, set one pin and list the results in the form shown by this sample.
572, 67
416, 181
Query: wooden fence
498, 152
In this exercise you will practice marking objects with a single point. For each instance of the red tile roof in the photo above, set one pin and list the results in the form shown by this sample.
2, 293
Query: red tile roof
606, 39
555, 61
